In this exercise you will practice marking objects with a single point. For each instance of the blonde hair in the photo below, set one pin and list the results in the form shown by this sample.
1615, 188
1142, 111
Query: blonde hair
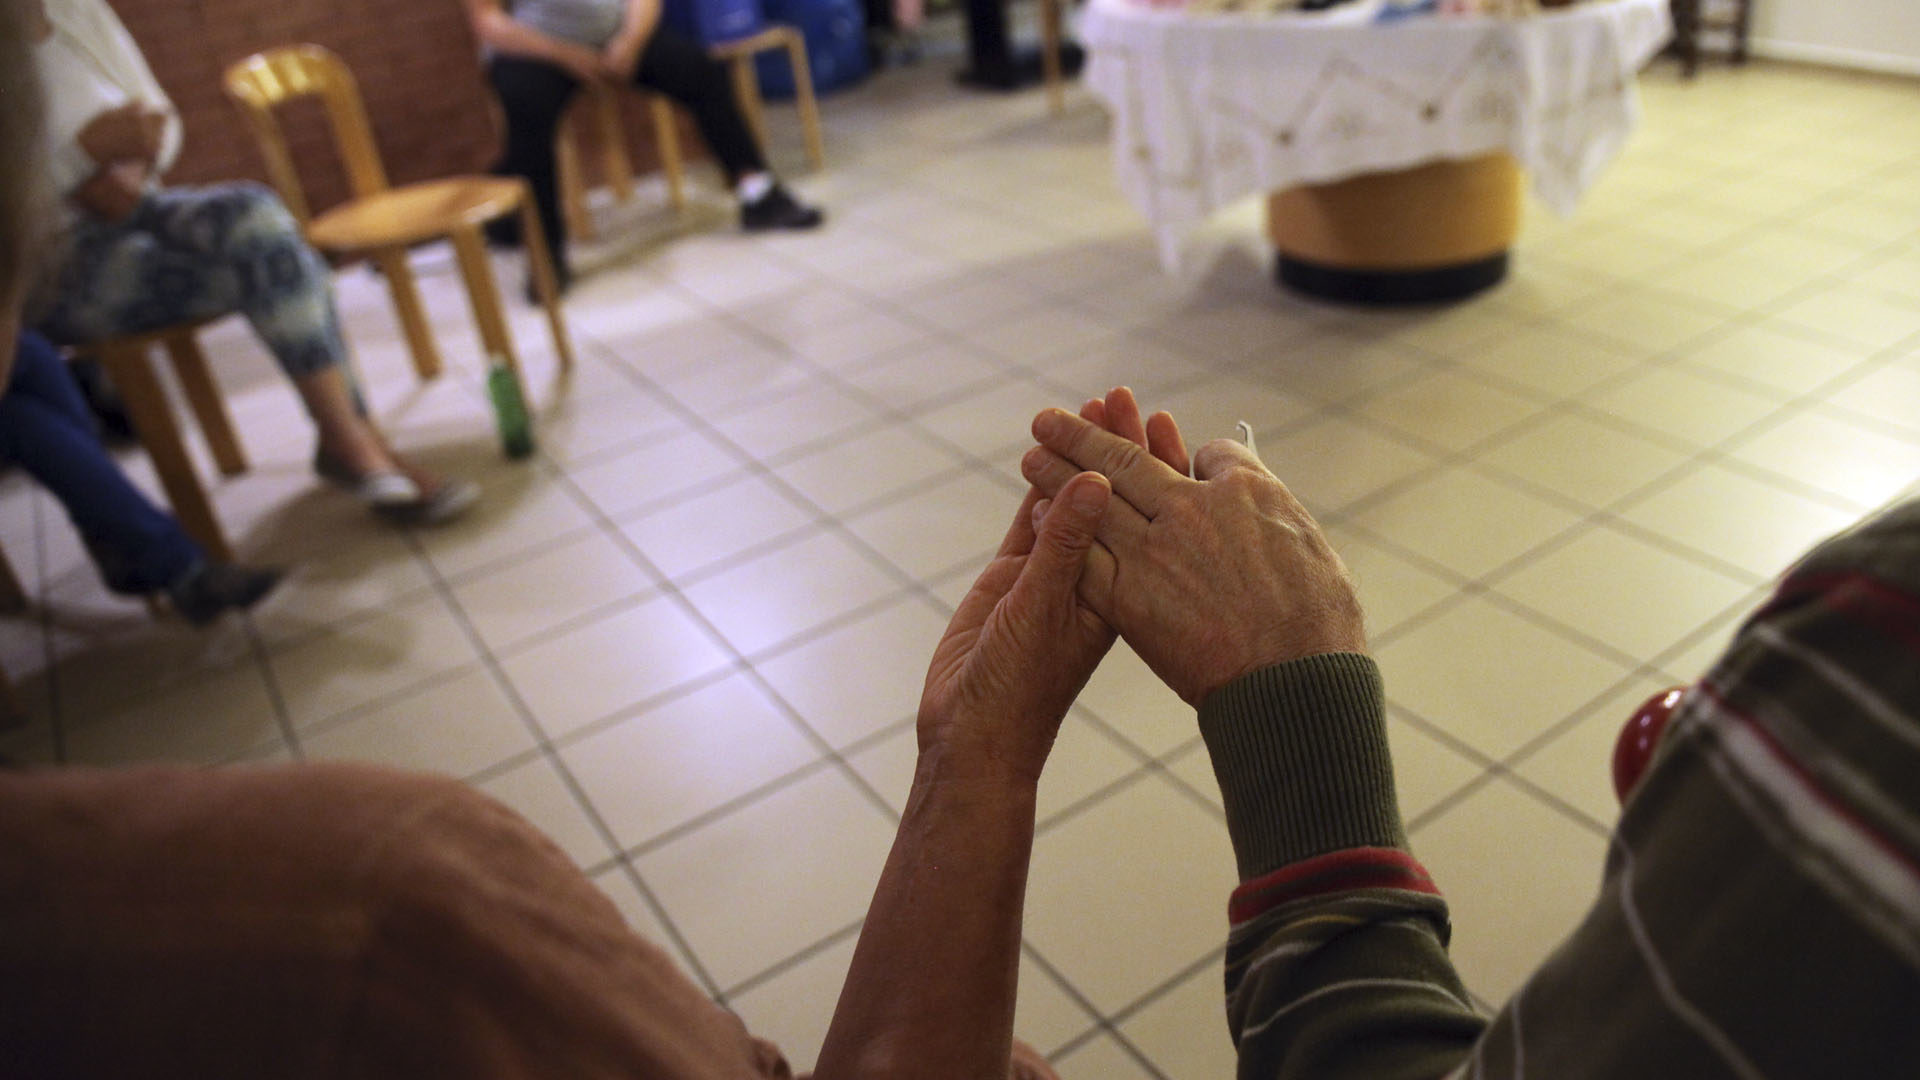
22, 174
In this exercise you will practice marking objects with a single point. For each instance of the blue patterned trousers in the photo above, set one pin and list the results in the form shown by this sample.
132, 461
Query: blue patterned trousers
194, 253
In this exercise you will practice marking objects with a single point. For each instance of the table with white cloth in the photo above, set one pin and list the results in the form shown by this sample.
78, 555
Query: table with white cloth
1392, 152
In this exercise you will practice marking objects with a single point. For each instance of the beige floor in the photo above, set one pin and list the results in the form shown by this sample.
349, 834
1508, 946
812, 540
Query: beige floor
687, 638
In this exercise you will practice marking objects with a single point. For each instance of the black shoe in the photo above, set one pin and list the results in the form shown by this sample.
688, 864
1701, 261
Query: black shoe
778, 210
210, 590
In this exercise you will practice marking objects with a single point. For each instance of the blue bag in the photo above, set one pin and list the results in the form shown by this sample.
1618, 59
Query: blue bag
711, 22
836, 33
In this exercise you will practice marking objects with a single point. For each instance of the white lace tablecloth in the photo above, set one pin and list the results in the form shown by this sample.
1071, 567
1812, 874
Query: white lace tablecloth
1209, 109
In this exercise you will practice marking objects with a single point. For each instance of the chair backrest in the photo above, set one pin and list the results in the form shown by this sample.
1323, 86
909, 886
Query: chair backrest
265, 81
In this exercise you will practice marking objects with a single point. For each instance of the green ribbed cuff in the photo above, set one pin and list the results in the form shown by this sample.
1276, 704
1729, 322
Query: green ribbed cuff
1300, 750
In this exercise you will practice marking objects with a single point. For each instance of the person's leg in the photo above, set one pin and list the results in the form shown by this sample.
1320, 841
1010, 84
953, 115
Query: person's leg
533, 96
45, 429
194, 253
682, 70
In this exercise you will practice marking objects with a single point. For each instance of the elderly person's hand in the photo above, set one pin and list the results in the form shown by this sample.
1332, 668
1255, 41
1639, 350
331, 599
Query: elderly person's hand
1022, 643
132, 132
1207, 579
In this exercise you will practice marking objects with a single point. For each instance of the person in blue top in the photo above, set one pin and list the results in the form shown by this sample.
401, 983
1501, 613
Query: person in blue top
543, 50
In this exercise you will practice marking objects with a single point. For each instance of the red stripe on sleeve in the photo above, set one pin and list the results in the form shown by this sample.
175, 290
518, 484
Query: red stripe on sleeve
1338, 871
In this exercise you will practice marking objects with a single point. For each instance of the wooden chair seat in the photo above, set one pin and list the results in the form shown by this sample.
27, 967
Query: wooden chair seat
414, 214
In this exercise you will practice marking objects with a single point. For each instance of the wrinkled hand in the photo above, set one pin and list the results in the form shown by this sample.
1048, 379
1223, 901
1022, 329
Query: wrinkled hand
1022, 643
132, 132
1207, 579
113, 193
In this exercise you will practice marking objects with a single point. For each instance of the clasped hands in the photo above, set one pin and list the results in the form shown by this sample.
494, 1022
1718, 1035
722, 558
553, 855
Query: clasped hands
125, 142
1208, 578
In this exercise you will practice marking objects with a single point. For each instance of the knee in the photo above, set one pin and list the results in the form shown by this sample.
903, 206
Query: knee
255, 211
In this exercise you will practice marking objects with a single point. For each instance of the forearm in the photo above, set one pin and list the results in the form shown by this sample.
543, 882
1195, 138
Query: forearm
643, 17
930, 994
1329, 897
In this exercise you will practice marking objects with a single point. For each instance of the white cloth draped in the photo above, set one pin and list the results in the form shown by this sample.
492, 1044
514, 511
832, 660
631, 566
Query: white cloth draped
1209, 109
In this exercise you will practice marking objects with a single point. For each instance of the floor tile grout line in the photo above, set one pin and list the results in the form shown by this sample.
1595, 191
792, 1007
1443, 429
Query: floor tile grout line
692, 611
576, 791
1101, 1024
767, 975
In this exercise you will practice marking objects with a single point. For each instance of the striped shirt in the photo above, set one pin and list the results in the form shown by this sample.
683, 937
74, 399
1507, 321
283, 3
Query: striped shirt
1760, 913
592, 23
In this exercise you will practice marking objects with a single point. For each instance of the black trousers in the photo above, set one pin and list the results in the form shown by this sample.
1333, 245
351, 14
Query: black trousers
534, 94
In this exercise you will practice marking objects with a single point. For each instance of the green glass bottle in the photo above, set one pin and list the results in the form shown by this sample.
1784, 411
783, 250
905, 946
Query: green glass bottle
509, 409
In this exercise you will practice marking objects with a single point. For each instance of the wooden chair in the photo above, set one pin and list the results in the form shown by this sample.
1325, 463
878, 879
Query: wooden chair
1689, 22
601, 105
738, 56
127, 361
384, 221
1050, 71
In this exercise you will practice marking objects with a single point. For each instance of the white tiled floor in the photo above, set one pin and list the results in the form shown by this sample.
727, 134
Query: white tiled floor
688, 638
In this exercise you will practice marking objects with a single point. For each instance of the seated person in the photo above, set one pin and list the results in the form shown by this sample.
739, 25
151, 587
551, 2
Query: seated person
138, 256
542, 50
139, 549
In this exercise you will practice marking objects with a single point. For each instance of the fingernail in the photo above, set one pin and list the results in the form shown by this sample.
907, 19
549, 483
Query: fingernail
1090, 497
1046, 423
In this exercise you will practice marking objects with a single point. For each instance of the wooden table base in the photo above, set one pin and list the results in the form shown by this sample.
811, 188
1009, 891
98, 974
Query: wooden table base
1440, 231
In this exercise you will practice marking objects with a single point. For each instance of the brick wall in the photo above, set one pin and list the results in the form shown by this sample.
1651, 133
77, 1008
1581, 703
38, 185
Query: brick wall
415, 61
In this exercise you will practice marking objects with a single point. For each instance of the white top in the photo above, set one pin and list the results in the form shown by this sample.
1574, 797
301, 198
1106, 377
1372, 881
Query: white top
1210, 109
90, 65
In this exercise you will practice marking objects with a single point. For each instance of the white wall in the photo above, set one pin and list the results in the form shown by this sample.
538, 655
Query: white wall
1877, 35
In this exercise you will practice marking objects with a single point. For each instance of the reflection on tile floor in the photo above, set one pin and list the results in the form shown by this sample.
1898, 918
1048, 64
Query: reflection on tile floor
688, 637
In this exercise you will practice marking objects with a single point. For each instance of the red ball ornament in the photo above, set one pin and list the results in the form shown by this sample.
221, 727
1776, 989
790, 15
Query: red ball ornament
1638, 739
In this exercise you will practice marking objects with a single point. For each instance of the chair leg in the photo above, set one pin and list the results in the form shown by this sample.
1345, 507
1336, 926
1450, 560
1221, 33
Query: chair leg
153, 421
484, 294
573, 186
12, 712
667, 135
413, 317
1686, 32
547, 285
190, 366
12, 596
1050, 55
803, 97
746, 91
613, 145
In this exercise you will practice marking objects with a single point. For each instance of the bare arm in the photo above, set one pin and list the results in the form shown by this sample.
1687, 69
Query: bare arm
930, 994
508, 36
622, 54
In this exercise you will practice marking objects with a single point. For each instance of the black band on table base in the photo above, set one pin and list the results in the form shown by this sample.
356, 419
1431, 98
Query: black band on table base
1391, 286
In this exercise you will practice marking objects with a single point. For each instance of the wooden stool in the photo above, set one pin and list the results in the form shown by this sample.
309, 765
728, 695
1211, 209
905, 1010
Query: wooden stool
384, 221
601, 105
738, 56
126, 361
